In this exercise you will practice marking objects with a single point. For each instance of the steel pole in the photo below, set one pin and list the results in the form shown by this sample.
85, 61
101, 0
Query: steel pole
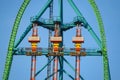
33, 67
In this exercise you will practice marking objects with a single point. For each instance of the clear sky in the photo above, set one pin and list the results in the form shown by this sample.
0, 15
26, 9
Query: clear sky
91, 67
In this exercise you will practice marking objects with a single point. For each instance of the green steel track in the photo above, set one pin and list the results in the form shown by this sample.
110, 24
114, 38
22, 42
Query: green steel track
9, 57
103, 40
12, 45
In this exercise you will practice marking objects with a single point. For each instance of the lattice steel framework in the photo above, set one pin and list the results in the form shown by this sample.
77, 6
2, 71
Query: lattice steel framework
13, 48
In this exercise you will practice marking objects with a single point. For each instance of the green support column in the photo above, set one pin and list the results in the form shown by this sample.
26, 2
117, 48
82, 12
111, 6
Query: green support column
61, 34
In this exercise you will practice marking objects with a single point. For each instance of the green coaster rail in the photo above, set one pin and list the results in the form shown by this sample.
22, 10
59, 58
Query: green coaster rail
103, 40
9, 56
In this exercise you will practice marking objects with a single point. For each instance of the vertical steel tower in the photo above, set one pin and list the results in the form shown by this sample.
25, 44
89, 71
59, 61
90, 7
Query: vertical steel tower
56, 51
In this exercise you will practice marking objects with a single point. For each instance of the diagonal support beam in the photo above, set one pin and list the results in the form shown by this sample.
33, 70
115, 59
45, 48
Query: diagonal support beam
72, 67
35, 18
51, 75
43, 9
23, 35
68, 75
44, 67
86, 25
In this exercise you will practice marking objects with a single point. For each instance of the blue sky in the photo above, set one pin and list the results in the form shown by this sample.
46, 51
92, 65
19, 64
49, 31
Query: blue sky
91, 67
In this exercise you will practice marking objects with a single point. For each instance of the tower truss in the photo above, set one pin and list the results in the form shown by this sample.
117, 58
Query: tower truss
56, 51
